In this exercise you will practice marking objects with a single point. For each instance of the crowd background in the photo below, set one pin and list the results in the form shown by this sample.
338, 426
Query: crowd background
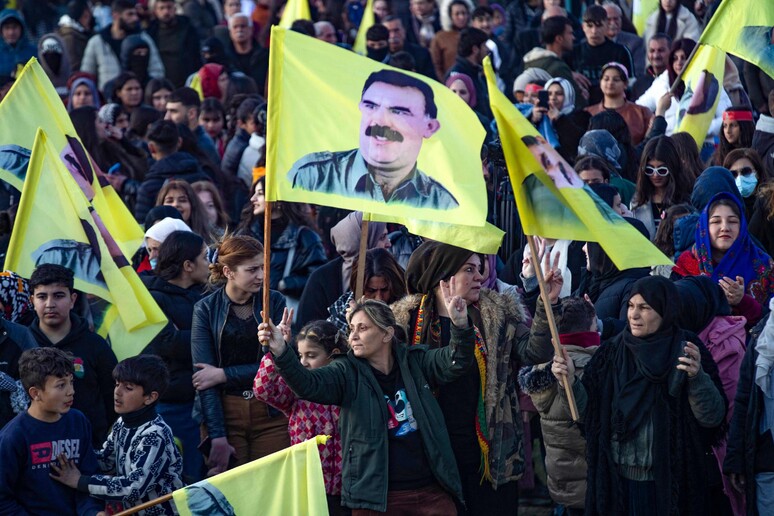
448, 400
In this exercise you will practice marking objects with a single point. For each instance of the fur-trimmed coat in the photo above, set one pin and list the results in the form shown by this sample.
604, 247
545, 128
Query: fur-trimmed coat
509, 345
565, 446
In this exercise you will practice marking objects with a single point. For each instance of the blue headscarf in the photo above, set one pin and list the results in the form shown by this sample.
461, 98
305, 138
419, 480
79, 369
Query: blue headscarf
743, 259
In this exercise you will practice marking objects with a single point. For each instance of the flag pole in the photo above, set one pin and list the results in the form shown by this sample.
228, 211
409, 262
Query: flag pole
551, 322
266, 265
361, 258
146, 505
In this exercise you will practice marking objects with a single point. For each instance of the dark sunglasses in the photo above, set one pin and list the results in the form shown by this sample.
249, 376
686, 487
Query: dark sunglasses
744, 171
656, 171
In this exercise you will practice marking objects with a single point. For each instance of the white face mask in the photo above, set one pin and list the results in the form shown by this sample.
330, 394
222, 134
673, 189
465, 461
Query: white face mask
746, 184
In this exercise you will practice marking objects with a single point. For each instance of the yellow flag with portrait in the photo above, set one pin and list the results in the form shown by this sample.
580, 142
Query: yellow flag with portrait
350, 132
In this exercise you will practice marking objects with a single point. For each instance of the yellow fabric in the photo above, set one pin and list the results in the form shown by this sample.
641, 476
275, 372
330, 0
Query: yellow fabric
743, 28
366, 22
703, 74
555, 203
314, 107
289, 482
295, 10
56, 223
196, 85
641, 11
484, 240
33, 102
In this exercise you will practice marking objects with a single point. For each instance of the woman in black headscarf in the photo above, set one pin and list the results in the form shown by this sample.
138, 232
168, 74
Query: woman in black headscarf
652, 406
481, 409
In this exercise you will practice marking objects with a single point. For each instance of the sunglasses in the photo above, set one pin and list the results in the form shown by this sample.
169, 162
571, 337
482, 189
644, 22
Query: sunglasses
656, 171
744, 171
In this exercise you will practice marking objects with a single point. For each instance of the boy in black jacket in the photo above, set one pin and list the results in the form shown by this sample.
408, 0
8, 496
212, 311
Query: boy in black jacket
55, 325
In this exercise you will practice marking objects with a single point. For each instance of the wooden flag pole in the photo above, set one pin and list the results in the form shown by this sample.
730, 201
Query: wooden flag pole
551, 322
361, 258
146, 505
267, 265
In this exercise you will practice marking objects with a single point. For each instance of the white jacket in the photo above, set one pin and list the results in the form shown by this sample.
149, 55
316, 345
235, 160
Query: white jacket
660, 86
687, 25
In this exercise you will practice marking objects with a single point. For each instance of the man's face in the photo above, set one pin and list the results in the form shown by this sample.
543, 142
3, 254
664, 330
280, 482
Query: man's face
164, 11
327, 34
613, 20
393, 125
460, 16
397, 35
12, 32
658, 53
53, 304
177, 113
483, 23
420, 8
240, 30
129, 20
480, 53
595, 33
568, 38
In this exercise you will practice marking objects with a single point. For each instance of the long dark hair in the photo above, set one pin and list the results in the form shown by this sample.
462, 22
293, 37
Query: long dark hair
746, 131
670, 28
293, 212
380, 262
179, 247
686, 45
84, 121
615, 124
688, 152
662, 149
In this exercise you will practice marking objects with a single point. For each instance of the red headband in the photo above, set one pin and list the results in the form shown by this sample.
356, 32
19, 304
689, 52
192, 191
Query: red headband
739, 116
532, 88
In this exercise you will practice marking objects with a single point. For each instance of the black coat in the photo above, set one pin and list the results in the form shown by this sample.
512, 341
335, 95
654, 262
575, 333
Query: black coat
742, 450
93, 381
173, 42
179, 165
422, 60
173, 344
322, 289
14, 340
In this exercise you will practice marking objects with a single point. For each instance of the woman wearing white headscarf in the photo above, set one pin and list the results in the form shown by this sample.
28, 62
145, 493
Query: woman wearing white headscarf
568, 123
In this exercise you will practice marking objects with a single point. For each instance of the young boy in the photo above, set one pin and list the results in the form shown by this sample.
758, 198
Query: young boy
140, 450
56, 325
33, 439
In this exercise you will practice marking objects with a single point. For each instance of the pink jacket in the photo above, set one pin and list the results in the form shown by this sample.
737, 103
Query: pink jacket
305, 420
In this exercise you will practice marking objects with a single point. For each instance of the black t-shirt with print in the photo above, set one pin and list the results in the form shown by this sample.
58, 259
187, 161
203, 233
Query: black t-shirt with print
408, 466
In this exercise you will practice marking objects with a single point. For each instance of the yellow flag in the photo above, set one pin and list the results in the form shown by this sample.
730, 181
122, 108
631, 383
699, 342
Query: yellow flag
485, 240
57, 224
703, 78
287, 482
349, 132
641, 11
33, 103
553, 202
744, 28
366, 22
295, 10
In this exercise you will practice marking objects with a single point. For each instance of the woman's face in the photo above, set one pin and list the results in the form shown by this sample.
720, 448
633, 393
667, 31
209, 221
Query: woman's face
724, 227
209, 206
366, 339
669, 5
160, 98
381, 9
152, 246
258, 199
731, 131
679, 61
179, 200
247, 276
619, 207
122, 123
201, 267
212, 122
592, 176
312, 355
742, 166
231, 7
131, 93
458, 88
612, 84
556, 96
82, 96
643, 319
468, 279
384, 241
223, 81
658, 181
377, 287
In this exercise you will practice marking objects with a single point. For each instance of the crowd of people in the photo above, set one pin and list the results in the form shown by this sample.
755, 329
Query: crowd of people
440, 386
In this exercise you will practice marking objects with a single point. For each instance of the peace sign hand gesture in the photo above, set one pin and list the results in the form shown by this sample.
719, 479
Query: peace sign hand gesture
271, 336
456, 307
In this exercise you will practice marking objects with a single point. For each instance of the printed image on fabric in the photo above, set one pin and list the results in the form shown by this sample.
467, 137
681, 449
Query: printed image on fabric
402, 420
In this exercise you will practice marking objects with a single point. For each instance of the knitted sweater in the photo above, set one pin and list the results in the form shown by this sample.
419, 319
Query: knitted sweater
306, 419
144, 462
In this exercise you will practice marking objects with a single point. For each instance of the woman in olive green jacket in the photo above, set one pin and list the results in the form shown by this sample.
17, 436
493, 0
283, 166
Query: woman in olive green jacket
394, 440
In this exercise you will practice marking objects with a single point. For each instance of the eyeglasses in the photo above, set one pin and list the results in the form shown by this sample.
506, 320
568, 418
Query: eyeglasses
656, 171
744, 171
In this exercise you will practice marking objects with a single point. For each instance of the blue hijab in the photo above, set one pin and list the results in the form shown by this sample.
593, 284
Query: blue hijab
743, 259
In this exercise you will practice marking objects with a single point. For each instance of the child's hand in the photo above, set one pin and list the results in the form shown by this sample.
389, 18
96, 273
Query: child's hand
65, 471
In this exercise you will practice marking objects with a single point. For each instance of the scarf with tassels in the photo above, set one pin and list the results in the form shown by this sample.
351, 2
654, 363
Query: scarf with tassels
480, 352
